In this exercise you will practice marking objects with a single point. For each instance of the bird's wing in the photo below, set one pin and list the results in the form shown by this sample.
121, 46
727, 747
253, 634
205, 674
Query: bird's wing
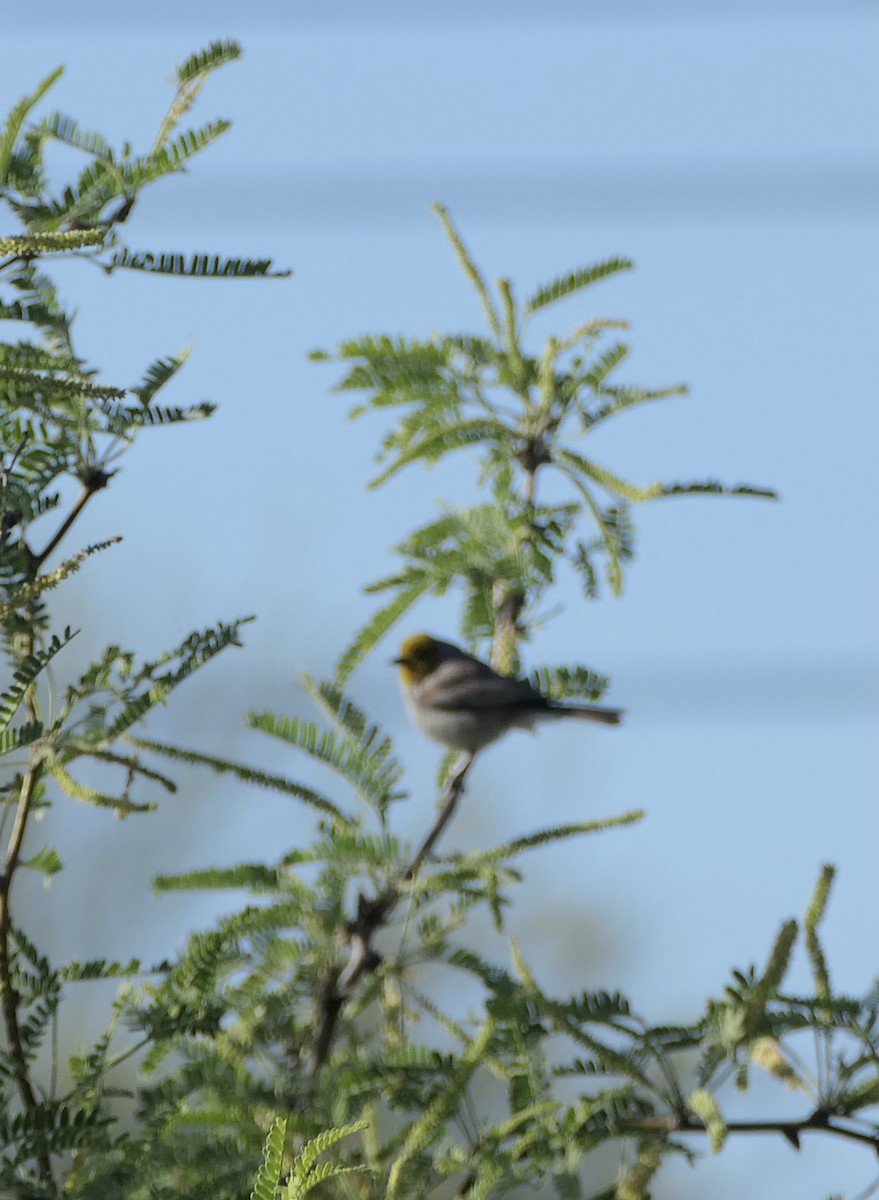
471, 684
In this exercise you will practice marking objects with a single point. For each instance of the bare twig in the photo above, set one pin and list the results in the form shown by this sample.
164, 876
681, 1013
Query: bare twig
372, 914
818, 1122
97, 481
8, 994
791, 1131
12, 260
9, 999
454, 788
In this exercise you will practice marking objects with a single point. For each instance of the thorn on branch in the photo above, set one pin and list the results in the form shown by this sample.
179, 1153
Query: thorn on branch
123, 212
820, 1121
791, 1135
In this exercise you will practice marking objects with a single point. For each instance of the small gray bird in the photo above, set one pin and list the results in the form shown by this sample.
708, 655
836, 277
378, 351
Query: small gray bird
465, 704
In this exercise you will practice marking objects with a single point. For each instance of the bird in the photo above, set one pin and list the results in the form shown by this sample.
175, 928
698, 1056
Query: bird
464, 704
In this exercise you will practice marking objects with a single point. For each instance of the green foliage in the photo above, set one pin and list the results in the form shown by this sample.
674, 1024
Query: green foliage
263, 979
566, 285
200, 266
26, 672
369, 767
246, 774
59, 422
516, 413
19, 599
341, 994
307, 1173
9, 138
814, 916
566, 683
268, 1179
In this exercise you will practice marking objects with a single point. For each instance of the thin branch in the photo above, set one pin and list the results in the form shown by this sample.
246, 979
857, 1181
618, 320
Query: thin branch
9, 999
98, 480
676, 1123
454, 788
8, 994
9, 519
372, 915
109, 1063
819, 1122
12, 260
509, 603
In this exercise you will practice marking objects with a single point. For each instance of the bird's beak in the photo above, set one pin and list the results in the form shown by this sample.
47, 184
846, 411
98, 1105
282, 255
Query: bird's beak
396, 662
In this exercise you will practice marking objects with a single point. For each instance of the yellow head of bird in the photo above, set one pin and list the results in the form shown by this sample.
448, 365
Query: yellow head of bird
419, 656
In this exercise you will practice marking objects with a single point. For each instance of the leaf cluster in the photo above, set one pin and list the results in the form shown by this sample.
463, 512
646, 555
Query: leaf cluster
62, 431
518, 414
242, 1010
231, 1025
84, 215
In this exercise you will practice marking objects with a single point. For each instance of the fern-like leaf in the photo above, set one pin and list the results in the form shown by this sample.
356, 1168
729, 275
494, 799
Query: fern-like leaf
379, 624
199, 266
350, 850
558, 833
609, 539
268, 1178
40, 383
395, 370
621, 398
308, 1173
13, 739
195, 652
99, 968
566, 285
157, 375
712, 487
454, 436
47, 861
470, 269
26, 672
215, 55
564, 683
59, 1125
64, 129
255, 876
276, 783
16, 119
121, 805
576, 464
814, 915
606, 363
121, 419
353, 722
424, 1128
367, 773
174, 154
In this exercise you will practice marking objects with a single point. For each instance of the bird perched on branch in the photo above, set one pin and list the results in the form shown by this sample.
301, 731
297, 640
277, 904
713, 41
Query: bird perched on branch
465, 704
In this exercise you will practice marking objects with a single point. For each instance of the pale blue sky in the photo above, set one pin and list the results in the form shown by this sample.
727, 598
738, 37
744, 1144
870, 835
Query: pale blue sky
734, 159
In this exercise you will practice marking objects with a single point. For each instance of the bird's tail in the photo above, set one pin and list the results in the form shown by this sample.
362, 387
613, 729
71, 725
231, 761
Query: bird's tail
588, 712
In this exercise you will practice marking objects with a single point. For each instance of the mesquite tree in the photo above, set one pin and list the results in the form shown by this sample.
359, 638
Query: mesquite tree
304, 1024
